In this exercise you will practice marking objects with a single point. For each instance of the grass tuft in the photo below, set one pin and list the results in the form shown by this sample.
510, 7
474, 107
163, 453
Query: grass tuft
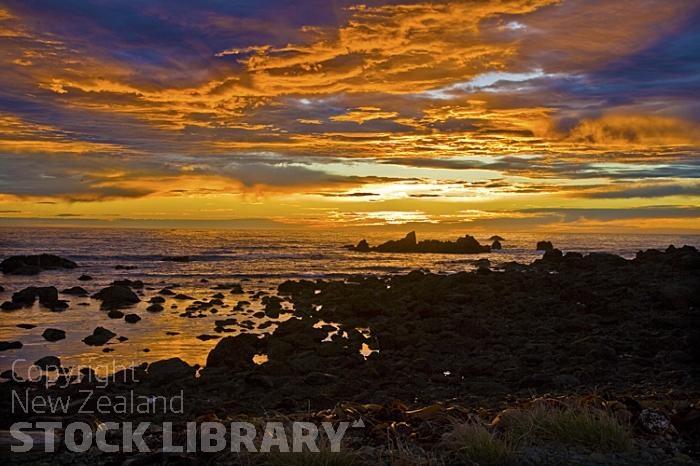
568, 425
475, 443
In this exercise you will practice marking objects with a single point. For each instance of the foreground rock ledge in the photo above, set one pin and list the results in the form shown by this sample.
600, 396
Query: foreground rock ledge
568, 324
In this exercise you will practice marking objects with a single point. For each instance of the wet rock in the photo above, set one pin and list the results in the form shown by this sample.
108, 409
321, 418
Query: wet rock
496, 245
553, 255
183, 297
84, 278
99, 337
116, 296
32, 265
602, 260
235, 352
156, 300
132, 318
2, 288
654, 422
10, 345
48, 296
115, 314
171, 334
10, 306
134, 284
75, 291
53, 334
48, 363
170, 370
273, 306
166, 292
362, 246
26, 326
154, 308
59, 305
206, 337
544, 246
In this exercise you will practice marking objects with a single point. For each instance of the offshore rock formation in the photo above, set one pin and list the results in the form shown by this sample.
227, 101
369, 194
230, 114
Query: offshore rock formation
465, 245
32, 265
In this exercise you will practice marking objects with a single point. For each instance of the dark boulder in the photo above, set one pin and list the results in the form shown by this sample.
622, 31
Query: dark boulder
362, 246
236, 352
207, 337
496, 245
170, 370
154, 308
135, 284
48, 296
116, 296
59, 306
115, 314
10, 306
544, 246
603, 260
25, 297
84, 278
53, 334
132, 318
99, 337
75, 291
32, 265
48, 363
553, 255
8, 345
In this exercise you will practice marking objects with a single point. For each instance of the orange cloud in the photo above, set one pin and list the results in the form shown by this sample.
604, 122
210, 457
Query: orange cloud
636, 131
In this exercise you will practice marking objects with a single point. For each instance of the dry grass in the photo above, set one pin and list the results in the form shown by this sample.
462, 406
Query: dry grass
475, 443
402, 453
568, 425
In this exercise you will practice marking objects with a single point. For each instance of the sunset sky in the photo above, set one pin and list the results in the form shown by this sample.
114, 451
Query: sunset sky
570, 115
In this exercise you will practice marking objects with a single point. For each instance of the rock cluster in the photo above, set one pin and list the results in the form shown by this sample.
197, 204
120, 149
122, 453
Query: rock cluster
32, 265
464, 245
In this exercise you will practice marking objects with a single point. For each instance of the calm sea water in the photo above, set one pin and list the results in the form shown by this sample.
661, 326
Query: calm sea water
259, 260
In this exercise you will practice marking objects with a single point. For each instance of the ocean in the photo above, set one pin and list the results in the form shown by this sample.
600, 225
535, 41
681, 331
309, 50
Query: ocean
258, 260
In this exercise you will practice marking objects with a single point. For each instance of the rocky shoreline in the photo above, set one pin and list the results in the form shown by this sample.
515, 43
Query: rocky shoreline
420, 353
